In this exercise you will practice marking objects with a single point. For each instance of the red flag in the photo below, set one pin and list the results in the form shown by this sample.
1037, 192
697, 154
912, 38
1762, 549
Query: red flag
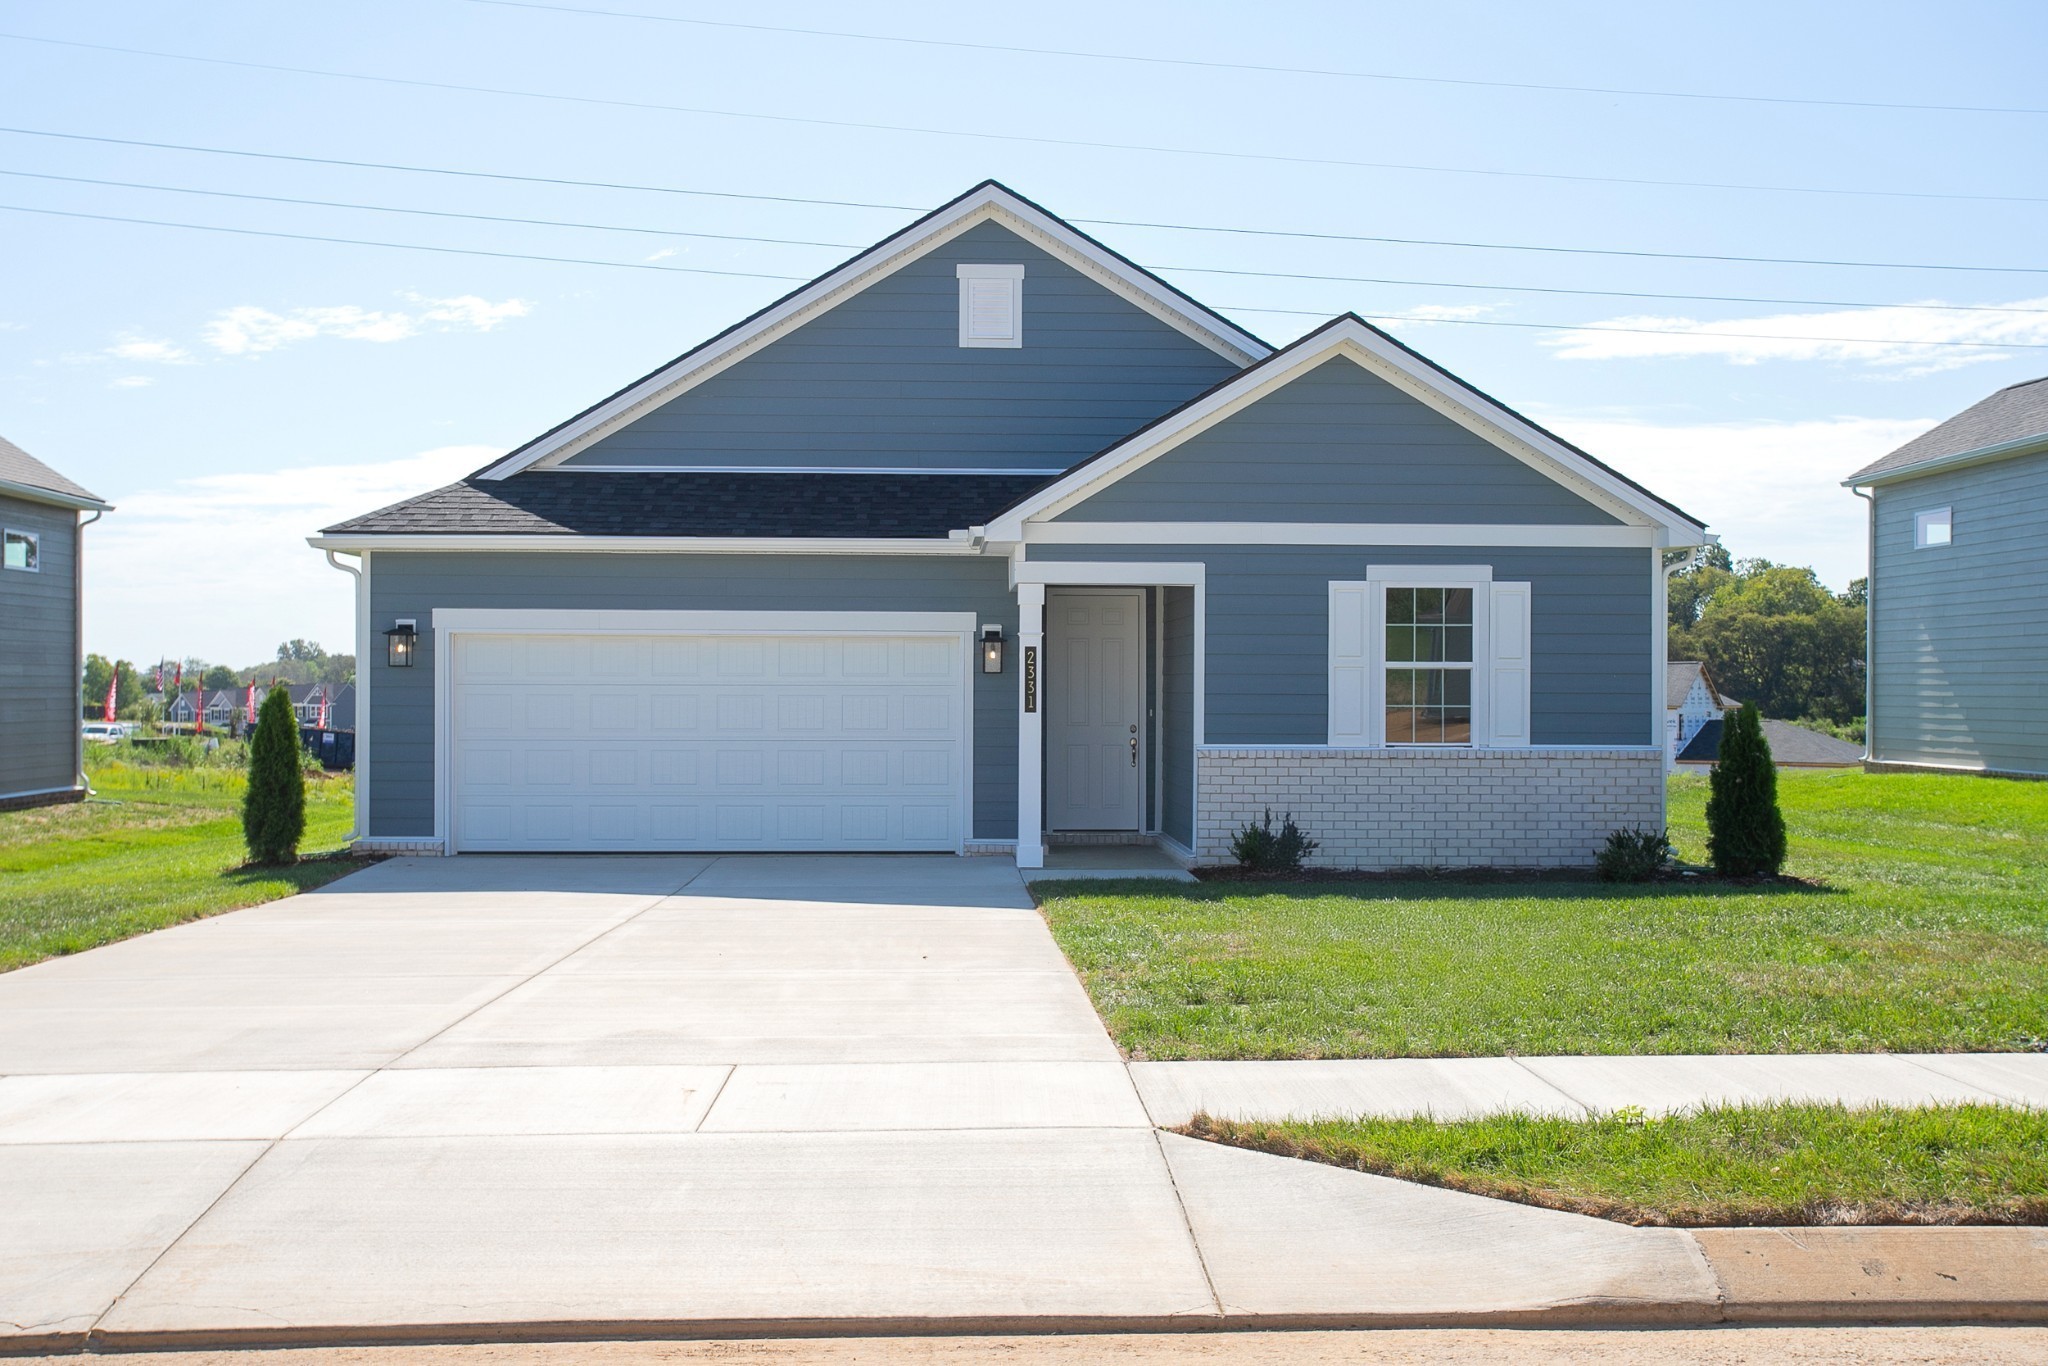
199, 711
250, 722
178, 681
110, 697
321, 720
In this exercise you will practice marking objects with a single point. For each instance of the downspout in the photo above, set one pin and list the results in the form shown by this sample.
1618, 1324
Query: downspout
78, 640
1869, 631
362, 827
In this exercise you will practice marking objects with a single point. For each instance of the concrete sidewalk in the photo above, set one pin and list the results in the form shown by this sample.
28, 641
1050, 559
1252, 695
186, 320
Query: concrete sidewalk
535, 1097
1465, 1088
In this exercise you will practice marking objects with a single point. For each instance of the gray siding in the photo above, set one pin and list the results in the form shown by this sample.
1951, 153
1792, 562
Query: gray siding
882, 381
401, 767
1338, 444
1177, 716
39, 686
1959, 649
1595, 676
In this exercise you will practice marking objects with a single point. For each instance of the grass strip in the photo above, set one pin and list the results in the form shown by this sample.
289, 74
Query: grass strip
1787, 1164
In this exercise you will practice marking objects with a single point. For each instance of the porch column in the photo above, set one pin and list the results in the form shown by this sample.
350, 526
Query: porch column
1030, 723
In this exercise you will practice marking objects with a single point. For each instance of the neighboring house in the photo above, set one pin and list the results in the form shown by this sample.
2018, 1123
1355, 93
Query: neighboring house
225, 705
1958, 603
1690, 702
1791, 747
221, 706
42, 603
341, 704
990, 537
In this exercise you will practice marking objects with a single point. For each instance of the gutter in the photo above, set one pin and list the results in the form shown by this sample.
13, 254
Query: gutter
1980, 455
35, 494
711, 545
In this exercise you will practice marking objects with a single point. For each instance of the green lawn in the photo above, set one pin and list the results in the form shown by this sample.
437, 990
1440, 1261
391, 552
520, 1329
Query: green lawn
156, 846
1923, 925
1778, 1164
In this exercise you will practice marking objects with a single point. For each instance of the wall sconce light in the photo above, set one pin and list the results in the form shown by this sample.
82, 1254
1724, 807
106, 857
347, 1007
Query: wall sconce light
991, 649
402, 642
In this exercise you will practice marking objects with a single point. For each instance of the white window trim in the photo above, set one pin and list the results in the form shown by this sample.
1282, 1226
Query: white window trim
972, 273
1358, 667
1928, 517
35, 550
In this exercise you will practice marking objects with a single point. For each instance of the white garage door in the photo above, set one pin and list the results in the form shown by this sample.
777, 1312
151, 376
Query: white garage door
702, 741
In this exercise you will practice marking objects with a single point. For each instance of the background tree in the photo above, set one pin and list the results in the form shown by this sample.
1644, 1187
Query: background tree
1745, 829
1773, 635
219, 676
92, 690
274, 807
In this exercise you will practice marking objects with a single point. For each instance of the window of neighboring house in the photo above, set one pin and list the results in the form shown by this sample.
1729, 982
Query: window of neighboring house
21, 550
1932, 528
1429, 666
991, 305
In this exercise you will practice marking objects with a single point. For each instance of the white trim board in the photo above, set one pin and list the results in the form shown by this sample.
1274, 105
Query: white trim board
701, 545
1336, 533
1353, 340
988, 202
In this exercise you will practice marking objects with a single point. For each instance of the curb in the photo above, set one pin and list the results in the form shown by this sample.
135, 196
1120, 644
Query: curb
1879, 1275
1781, 1276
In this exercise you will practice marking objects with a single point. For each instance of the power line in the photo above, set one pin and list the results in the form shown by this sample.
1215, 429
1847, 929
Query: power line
427, 213
399, 246
1458, 244
1147, 60
1031, 139
757, 275
852, 246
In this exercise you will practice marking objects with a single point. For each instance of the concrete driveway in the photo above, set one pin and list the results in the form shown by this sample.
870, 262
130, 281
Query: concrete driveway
531, 1095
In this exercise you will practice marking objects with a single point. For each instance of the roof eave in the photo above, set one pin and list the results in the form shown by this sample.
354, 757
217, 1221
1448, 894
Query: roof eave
35, 494
1980, 455
358, 542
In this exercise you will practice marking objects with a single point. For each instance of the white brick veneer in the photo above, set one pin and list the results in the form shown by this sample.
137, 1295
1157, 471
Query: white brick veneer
1437, 808
398, 845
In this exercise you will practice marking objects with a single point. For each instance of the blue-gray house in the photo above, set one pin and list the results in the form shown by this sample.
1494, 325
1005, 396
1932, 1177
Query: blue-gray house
1958, 603
990, 538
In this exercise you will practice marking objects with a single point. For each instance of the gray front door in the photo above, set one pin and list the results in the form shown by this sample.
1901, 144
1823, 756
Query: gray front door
1093, 725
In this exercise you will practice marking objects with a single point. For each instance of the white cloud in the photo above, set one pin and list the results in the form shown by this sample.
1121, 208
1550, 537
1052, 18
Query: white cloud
1881, 337
1769, 488
133, 382
218, 565
661, 255
251, 330
1445, 312
132, 347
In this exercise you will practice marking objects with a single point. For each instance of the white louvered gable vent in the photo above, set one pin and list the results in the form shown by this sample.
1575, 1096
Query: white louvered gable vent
991, 305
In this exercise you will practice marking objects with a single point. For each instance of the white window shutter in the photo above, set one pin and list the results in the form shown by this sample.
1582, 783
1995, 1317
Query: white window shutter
1350, 664
1508, 658
991, 305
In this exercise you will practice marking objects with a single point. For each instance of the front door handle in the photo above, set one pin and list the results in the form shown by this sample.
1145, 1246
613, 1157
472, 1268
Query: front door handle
1134, 751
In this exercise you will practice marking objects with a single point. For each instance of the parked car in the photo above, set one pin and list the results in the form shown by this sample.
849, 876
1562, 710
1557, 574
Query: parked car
104, 732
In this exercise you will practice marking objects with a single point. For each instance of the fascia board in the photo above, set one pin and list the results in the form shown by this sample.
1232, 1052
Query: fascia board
702, 545
1982, 455
30, 493
990, 204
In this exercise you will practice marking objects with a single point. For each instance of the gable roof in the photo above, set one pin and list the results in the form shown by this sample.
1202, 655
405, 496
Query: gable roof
1791, 746
2010, 422
24, 476
1678, 679
988, 201
1407, 369
768, 504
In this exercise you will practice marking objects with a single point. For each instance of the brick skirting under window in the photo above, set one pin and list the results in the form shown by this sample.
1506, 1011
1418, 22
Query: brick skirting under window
1431, 808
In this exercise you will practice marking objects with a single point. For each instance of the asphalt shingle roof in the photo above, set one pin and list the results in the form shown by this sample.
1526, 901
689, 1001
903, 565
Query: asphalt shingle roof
1790, 744
17, 466
673, 503
2012, 414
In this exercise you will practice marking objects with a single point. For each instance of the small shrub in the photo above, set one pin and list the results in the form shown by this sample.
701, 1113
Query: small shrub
274, 807
1633, 855
1263, 849
1745, 829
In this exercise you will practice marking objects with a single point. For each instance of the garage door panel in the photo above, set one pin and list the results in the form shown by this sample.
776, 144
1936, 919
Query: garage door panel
708, 742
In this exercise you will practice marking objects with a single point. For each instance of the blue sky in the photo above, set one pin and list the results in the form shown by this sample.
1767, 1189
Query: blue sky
233, 393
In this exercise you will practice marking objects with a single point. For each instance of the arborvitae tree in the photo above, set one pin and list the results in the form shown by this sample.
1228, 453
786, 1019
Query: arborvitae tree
274, 808
1745, 830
